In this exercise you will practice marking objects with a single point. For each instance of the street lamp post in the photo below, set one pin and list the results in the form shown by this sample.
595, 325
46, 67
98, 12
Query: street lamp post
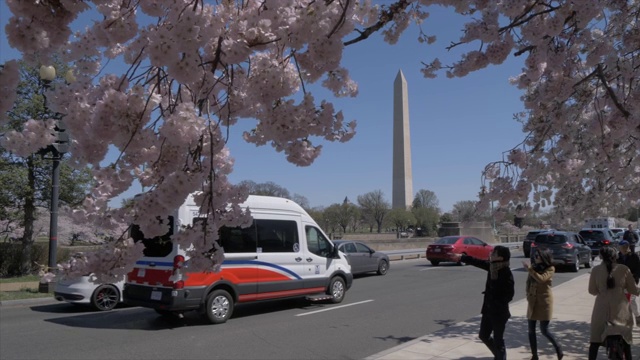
57, 150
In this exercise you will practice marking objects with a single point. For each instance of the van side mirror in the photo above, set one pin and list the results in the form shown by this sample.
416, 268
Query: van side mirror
335, 253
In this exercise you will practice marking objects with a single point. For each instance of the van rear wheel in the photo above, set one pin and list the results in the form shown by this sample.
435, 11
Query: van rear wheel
219, 306
337, 289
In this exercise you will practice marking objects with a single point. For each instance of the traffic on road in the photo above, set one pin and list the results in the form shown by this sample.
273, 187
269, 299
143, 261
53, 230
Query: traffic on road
414, 298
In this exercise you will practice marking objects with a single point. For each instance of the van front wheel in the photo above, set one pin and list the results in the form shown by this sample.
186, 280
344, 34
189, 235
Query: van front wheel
337, 289
219, 306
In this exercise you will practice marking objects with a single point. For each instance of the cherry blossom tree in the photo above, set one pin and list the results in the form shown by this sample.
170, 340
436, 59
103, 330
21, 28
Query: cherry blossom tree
197, 68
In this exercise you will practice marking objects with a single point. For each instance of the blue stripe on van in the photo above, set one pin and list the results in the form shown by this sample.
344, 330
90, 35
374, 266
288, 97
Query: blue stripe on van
266, 264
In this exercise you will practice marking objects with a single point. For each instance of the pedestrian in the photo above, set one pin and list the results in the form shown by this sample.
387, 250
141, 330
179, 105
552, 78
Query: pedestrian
631, 236
540, 299
610, 315
632, 261
498, 292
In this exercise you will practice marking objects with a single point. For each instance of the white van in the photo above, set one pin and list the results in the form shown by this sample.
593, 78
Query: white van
283, 254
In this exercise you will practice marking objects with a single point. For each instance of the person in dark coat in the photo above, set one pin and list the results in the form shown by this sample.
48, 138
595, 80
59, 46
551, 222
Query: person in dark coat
540, 299
630, 236
632, 260
498, 292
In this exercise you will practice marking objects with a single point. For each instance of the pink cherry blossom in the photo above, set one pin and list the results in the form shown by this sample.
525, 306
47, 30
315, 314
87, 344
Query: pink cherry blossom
197, 70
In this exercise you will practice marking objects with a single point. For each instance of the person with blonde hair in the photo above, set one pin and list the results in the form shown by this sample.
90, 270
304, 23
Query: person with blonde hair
540, 299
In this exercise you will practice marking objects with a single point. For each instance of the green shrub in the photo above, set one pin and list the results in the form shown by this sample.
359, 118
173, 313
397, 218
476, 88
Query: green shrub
11, 256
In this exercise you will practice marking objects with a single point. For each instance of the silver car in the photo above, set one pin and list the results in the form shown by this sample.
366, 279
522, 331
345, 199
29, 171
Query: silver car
362, 258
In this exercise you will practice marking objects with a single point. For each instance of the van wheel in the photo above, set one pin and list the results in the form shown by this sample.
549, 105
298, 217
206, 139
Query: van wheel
337, 289
383, 267
219, 306
105, 298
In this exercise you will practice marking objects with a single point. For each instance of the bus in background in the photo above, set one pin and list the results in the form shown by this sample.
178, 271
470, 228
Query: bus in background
282, 254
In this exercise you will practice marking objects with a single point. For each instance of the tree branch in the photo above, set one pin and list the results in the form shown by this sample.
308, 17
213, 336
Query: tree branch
384, 18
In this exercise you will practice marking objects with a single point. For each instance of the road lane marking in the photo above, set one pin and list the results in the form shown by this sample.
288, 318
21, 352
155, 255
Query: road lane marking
334, 307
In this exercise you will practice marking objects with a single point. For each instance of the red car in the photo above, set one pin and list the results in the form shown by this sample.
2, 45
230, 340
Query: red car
443, 249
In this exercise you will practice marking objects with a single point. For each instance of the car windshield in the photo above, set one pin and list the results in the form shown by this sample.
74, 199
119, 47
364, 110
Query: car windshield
446, 240
551, 239
592, 235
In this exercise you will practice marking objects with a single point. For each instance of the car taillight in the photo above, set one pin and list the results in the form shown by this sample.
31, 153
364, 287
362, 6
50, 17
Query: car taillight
533, 245
178, 262
178, 284
606, 242
567, 246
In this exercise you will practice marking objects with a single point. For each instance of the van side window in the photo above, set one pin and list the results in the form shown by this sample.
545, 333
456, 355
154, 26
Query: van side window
159, 246
277, 236
316, 242
238, 240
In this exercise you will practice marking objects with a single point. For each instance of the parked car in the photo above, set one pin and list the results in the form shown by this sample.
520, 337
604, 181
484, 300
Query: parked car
86, 290
444, 249
597, 238
362, 258
531, 236
617, 233
567, 248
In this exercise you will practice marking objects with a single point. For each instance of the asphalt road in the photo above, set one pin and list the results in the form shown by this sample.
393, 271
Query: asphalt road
379, 312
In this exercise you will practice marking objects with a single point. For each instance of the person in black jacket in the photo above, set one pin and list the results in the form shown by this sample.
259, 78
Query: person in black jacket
498, 292
632, 260
630, 236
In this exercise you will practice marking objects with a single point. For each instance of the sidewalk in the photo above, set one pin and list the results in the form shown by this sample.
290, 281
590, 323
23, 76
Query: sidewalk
570, 325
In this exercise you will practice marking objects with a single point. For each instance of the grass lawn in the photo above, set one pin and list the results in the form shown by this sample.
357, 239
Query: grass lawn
22, 294
27, 278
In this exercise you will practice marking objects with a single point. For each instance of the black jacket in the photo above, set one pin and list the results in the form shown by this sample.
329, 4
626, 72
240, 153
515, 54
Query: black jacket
497, 293
630, 236
632, 260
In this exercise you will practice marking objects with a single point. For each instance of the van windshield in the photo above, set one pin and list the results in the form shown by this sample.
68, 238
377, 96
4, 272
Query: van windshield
159, 246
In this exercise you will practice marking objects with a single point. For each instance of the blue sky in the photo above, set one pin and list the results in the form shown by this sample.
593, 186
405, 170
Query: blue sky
457, 125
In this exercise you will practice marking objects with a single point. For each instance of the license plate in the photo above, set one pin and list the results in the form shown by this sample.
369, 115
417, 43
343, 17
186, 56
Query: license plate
141, 272
436, 250
156, 295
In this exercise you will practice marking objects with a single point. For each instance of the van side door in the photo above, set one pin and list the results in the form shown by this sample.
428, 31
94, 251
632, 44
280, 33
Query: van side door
280, 257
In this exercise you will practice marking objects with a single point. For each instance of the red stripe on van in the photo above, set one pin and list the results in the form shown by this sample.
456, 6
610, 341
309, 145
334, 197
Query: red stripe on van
288, 293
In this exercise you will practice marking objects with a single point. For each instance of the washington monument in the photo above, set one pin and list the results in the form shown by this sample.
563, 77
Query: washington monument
402, 178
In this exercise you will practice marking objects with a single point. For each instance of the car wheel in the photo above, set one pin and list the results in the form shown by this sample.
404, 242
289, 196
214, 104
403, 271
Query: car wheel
576, 266
435, 262
383, 267
337, 289
589, 263
460, 263
219, 306
105, 297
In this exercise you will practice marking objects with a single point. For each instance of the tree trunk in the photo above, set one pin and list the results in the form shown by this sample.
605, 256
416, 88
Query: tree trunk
29, 219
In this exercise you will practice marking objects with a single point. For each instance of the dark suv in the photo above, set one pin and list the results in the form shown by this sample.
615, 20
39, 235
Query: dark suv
531, 236
597, 238
568, 248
